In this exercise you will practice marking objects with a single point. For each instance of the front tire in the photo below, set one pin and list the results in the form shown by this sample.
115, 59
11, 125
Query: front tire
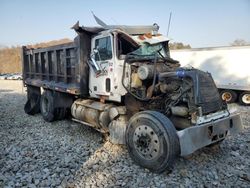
152, 141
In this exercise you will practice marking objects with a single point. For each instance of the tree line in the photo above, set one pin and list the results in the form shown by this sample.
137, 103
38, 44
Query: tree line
10, 57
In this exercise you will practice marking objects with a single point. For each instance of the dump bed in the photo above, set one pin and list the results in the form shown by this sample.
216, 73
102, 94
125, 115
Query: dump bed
62, 67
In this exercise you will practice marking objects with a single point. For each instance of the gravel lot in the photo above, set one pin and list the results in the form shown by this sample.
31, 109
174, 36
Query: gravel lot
34, 153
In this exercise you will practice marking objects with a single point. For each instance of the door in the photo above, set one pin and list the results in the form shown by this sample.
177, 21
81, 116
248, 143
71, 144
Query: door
102, 54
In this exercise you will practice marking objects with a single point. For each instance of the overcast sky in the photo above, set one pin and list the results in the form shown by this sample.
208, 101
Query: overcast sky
195, 22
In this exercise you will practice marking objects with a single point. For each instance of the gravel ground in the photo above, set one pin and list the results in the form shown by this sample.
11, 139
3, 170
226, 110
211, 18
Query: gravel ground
34, 153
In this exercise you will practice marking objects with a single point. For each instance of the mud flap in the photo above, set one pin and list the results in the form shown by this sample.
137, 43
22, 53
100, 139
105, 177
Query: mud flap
32, 105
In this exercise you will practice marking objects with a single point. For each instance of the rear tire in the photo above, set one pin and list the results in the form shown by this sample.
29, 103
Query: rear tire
32, 105
229, 96
152, 141
244, 98
60, 113
47, 106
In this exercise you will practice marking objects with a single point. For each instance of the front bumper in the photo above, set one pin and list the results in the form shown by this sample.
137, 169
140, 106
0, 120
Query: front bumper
196, 137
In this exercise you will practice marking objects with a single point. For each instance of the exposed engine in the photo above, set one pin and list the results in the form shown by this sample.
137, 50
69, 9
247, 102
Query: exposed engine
180, 93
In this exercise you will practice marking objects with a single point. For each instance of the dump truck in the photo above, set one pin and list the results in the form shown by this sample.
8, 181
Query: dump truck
121, 81
229, 66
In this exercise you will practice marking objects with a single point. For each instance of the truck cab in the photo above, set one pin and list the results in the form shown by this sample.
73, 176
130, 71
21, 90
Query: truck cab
108, 52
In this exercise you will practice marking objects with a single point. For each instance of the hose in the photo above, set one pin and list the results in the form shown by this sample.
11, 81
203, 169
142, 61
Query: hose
123, 74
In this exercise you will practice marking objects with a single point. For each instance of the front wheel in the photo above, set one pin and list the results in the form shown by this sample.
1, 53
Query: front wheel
152, 141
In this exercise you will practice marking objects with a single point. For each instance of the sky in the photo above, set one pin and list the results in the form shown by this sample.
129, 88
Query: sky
199, 23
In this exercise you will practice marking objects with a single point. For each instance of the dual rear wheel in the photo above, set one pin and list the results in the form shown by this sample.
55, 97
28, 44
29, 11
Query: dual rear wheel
45, 103
48, 108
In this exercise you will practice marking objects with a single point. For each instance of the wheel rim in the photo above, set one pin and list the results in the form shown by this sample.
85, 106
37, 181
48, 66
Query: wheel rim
246, 98
226, 96
146, 142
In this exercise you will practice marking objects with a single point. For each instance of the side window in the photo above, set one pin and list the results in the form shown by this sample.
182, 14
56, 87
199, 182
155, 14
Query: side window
125, 46
103, 46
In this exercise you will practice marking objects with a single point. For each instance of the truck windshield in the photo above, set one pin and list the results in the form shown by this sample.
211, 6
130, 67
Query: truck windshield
146, 49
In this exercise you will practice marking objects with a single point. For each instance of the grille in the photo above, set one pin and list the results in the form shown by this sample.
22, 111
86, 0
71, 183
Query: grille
208, 96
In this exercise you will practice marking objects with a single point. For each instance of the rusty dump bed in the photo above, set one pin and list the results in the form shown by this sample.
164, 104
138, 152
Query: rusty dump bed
62, 67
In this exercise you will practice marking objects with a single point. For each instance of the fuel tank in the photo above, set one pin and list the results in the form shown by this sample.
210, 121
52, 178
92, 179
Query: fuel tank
92, 113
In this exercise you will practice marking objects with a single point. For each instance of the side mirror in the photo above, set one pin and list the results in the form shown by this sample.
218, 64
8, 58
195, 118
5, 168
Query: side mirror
95, 50
95, 53
93, 64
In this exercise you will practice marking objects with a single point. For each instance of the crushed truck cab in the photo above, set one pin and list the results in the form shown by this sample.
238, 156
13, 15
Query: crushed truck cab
121, 81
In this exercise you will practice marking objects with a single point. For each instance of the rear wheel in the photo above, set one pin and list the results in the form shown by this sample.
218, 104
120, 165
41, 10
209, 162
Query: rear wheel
152, 141
32, 105
244, 98
228, 95
60, 113
47, 106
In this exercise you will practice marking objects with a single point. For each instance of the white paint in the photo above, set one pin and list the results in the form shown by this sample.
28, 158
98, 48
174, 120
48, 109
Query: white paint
229, 66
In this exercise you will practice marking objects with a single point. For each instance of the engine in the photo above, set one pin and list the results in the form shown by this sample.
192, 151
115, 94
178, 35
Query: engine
182, 94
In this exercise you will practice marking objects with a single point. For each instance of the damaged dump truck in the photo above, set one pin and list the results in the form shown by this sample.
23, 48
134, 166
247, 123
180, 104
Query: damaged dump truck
122, 81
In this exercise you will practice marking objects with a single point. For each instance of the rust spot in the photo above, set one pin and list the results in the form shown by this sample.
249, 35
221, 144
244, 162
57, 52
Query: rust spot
148, 35
141, 37
103, 98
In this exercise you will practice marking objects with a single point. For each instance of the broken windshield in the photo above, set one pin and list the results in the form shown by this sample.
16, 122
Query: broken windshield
147, 49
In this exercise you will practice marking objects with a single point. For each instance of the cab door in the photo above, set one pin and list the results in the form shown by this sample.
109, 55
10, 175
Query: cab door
102, 54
